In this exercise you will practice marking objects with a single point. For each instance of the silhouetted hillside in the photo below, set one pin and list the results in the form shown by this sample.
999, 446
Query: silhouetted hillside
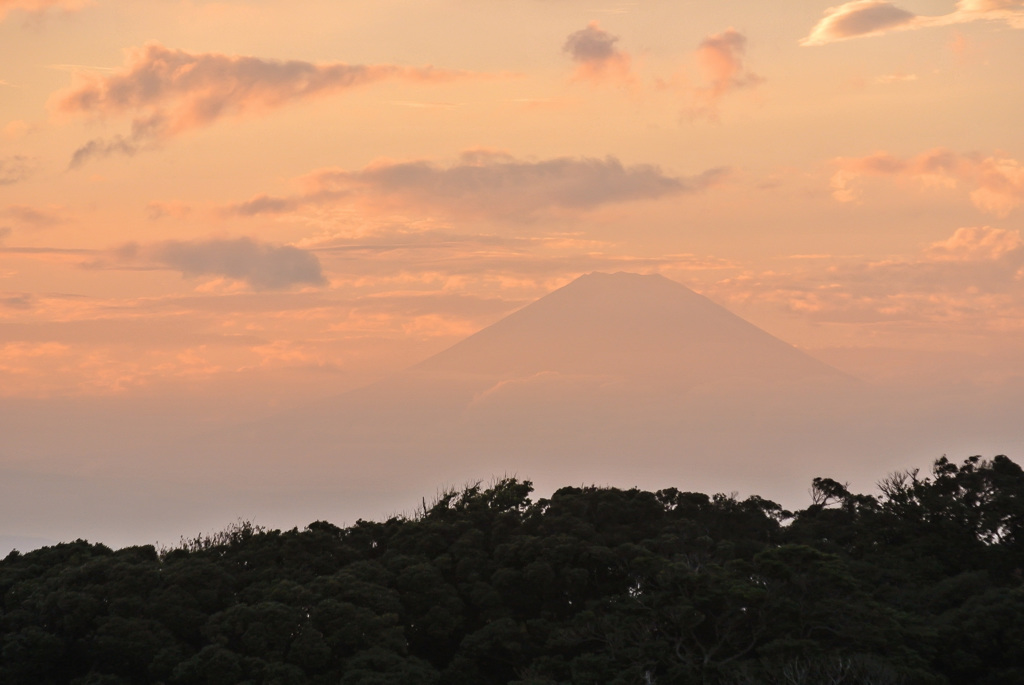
921, 584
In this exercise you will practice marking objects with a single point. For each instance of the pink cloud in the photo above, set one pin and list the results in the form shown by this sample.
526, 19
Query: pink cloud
996, 184
976, 244
170, 91
159, 210
263, 266
863, 18
488, 184
40, 6
975, 275
989, 6
999, 185
32, 216
597, 59
14, 169
720, 62
722, 59
857, 19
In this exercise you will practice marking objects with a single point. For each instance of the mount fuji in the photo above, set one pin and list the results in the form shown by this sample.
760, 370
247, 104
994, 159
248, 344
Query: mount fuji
626, 325
615, 378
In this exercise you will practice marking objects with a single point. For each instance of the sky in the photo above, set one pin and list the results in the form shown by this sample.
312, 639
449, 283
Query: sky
229, 208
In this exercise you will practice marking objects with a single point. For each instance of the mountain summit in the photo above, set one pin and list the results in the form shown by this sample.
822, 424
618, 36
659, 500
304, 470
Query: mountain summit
626, 325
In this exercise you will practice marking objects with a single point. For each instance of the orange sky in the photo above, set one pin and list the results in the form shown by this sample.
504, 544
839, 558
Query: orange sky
194, 189
263, 202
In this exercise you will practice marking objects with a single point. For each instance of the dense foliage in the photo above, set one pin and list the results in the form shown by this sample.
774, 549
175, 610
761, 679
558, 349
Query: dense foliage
920, 584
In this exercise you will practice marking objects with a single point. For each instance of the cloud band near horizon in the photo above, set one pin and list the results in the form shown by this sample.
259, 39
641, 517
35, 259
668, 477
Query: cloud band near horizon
995, 183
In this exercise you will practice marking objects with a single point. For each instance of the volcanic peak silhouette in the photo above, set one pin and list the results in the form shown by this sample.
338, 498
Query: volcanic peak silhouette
626, 325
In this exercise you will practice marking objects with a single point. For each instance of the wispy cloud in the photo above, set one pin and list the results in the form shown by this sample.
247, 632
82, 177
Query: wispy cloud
596, 57
98, 148
996, 184
13, 169
169, 91
262, 266
863, 18
41, 6
975, 275
973, 244
33, 217
489, 184
161, 210
18, 301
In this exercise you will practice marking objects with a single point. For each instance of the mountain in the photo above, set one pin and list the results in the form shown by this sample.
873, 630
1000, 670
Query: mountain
626, 325
614, 378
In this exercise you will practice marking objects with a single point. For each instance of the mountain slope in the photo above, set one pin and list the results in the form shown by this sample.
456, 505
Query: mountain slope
625, 324
613, 378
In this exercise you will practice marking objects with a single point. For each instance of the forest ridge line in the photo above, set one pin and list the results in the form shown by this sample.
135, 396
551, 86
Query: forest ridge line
921, 583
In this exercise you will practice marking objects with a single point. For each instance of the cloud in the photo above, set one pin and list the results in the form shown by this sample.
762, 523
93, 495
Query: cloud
20, 301
160, 210
41, 6
721, 57
597, 59
720, 61
886, 79
13, 169
98, 148
30, 216
996, 183
859, 18
1010, 11
490, 184
975, 275
170, 91
407, 259
59, 252
4, 232
263, 266
396, 295
976, 244
265, 204
863, 18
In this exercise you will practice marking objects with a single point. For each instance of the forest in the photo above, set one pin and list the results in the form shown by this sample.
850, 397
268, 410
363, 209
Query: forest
919, 583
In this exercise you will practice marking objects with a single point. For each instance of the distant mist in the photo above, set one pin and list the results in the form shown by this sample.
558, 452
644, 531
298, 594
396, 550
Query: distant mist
619, 380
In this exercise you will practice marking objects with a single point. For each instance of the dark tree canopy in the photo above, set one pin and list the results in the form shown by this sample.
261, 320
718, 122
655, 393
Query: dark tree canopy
921, 583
